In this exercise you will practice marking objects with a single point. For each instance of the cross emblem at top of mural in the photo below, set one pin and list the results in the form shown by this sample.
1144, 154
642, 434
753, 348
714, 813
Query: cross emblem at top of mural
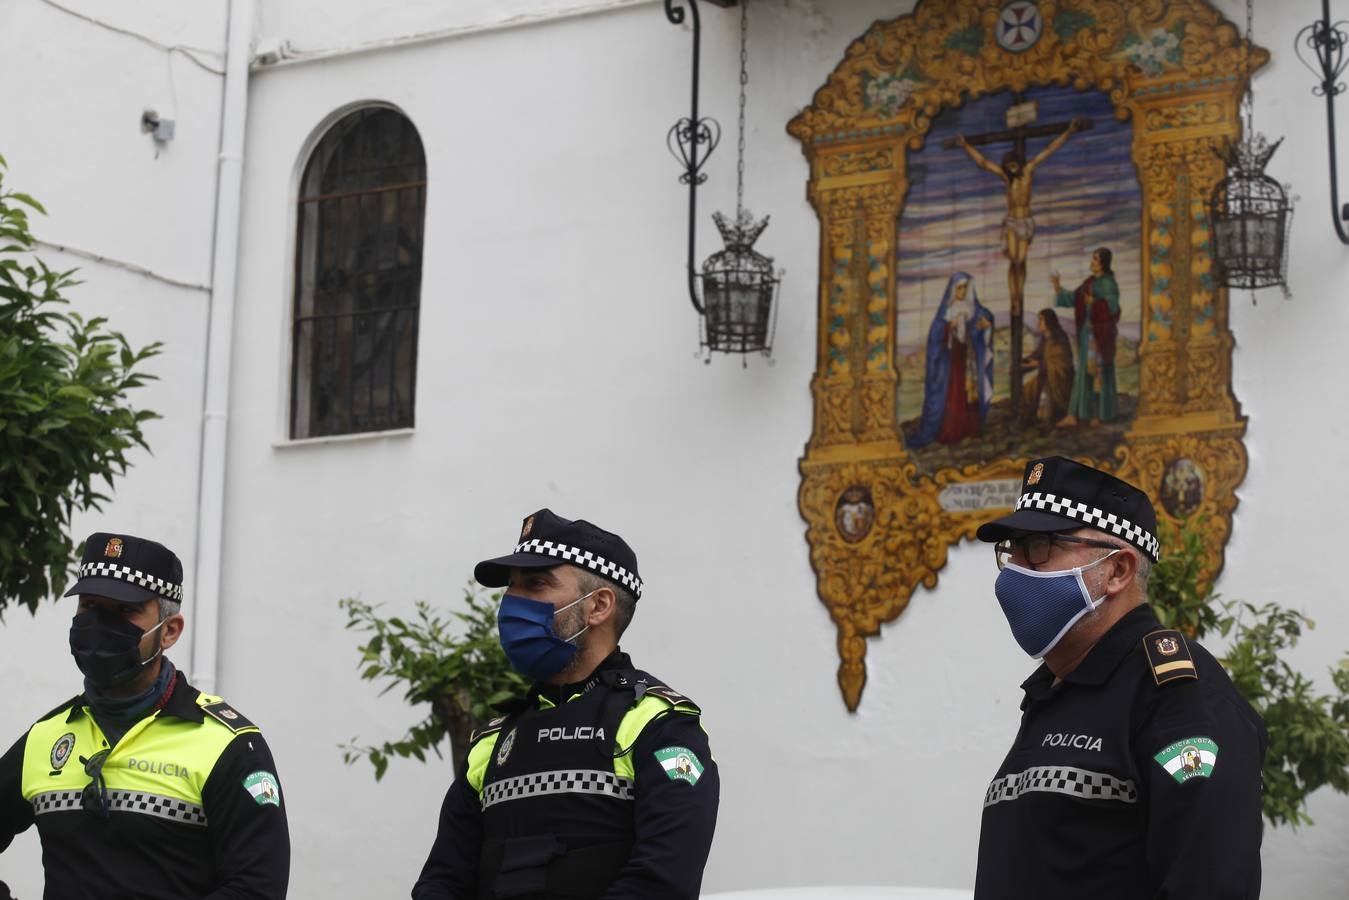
1019, 26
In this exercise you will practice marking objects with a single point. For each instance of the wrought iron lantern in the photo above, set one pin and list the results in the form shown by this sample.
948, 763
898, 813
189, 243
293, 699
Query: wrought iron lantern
1250, 212
738, 308
739, 290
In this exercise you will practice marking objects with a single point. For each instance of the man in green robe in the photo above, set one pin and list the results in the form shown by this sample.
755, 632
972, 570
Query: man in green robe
1096, 312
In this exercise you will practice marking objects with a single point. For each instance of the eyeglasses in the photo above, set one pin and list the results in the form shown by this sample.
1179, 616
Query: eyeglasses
94, 797
1035, 548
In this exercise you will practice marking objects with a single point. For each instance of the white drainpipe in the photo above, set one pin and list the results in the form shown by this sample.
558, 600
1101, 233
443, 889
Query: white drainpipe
204, 605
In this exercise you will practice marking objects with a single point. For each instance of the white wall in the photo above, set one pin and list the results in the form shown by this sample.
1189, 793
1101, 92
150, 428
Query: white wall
558, 369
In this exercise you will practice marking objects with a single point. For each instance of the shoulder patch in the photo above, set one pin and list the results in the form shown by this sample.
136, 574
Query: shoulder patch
671, 696
228, 716
1169, 656
489, 728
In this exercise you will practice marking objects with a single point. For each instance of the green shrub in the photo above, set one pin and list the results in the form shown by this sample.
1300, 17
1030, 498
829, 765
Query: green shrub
460, 673
65, 425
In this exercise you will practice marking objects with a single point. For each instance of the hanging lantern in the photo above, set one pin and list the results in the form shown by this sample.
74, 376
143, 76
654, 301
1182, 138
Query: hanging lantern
1249, 212
738, 308
1251, 215
739, 290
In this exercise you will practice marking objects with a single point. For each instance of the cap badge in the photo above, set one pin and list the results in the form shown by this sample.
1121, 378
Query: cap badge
1036, 473
1167, 646
114, 548
528, 527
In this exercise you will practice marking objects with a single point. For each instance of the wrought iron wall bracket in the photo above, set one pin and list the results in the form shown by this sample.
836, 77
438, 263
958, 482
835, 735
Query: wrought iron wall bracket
689, 136
1325, 42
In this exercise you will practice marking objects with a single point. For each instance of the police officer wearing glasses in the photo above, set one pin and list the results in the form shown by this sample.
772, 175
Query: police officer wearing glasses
1136, 770
141, 786
600, 783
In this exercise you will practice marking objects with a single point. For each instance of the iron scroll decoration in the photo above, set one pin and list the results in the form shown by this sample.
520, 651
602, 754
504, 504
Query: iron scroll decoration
688, 134
1325, 42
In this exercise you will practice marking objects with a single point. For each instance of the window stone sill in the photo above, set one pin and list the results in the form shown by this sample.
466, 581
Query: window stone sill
344, 438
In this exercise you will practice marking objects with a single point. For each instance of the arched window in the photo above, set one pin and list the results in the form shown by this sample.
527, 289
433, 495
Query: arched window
358, 277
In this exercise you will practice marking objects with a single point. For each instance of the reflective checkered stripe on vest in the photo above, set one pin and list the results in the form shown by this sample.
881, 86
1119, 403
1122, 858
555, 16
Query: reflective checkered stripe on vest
557, 810
1072, 782
156, 771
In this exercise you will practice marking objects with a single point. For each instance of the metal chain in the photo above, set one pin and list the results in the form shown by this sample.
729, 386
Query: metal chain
744, 80
1248, 100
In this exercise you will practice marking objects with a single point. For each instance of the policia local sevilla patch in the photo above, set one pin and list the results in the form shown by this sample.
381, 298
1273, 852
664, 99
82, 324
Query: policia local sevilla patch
1189, 758
680, 764
263, 787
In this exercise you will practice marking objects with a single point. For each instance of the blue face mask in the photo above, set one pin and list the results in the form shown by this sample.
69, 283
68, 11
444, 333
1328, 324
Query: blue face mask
1041, 606
533, 649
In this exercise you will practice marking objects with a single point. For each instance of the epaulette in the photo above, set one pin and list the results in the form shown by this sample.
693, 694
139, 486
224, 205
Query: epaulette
671, 696
227, 715
489, 728
1169, 656
73, 701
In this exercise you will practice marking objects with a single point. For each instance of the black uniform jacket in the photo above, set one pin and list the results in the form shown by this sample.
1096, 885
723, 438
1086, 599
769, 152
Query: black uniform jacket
1119, 786
219, 834
671, 818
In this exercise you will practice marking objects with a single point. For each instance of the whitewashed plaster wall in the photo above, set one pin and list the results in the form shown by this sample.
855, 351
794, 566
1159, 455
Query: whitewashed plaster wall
557, 369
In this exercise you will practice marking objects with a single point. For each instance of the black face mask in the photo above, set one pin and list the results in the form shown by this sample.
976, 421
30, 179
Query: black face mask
106, 647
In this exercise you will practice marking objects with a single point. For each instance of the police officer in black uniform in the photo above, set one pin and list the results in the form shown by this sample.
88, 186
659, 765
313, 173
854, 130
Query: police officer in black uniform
1136, 770
142, 786
600, 783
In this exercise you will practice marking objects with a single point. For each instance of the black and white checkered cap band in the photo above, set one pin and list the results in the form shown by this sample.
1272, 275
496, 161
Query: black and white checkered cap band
573, 781
1061, 780
1090, 515
166, 589
577, 556
139, 802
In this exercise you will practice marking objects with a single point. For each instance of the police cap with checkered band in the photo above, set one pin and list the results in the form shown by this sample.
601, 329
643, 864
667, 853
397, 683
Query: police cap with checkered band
1058, 494
128, 568
547, 540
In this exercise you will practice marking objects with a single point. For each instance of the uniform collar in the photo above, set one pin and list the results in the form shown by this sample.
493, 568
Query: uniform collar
560, 693
1104, 658
182, 702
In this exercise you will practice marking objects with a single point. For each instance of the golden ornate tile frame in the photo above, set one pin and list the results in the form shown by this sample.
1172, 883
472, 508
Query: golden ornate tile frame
875, 527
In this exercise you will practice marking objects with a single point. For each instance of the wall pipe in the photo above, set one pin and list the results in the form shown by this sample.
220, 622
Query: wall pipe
204, 603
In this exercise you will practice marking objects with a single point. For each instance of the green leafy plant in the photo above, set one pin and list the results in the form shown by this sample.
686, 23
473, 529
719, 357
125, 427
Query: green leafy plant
1308, 730
65, 424
1178, 587
458, 670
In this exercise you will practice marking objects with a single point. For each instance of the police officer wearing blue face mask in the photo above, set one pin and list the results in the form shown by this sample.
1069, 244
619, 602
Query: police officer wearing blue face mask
1136, 771
600, 783
142, 786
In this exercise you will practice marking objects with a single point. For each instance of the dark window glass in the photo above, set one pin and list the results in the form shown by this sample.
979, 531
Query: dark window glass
358, 278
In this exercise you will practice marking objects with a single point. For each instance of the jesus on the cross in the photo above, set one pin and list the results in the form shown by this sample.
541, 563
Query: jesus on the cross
1018, 228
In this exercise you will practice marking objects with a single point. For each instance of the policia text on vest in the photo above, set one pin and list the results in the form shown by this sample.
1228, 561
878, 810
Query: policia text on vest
600, 782
546, 809
193, 807
143, 787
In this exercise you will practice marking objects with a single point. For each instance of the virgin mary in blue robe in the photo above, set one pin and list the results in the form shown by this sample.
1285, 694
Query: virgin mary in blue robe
959, 347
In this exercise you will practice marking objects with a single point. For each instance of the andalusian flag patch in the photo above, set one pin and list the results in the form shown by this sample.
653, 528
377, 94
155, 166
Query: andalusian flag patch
1191, 758
263, 787
680, 763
